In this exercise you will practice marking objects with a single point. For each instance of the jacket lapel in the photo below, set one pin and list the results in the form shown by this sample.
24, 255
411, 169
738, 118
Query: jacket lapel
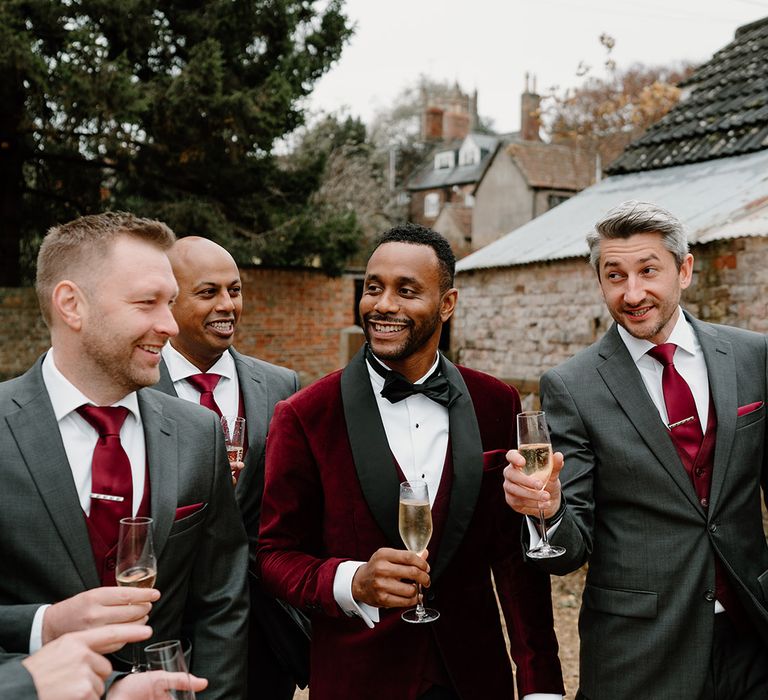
47, 463
253, 387
166, 383
623, 379
721, 371
376, 470
370, 449
467, 455
162, 447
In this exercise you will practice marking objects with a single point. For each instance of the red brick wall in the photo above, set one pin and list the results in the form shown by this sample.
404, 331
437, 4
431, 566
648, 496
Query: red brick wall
294, 318
291, 317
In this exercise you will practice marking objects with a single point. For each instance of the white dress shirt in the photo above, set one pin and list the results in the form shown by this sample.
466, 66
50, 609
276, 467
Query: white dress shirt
417, 433
417, 430
227, 391
79, 438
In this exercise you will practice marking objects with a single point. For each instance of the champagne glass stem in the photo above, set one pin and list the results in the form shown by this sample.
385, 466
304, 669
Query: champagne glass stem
543, 523
420, 612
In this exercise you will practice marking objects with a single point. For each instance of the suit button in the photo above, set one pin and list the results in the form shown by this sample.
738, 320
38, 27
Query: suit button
709, 596
713, 527
110, 563
698, 471
704, 502
430, 596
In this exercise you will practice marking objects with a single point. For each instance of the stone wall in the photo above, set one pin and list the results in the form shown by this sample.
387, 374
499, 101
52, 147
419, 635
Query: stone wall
294, 318
517, 322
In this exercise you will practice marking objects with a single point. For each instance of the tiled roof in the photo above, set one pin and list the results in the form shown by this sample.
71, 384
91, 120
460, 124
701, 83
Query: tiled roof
725, 114
427, 177
553, 166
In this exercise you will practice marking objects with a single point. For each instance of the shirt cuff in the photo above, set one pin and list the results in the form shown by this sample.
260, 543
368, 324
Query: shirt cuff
36, 633
342, 594
543, 696
535, 535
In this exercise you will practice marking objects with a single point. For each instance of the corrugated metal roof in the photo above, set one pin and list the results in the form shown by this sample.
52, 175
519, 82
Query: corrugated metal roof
716, 199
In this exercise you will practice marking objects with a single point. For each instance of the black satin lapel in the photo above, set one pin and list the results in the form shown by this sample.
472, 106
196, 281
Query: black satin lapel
162, 445
370, 449
165, 384
623, 379
721, 371
467, 454
47, 463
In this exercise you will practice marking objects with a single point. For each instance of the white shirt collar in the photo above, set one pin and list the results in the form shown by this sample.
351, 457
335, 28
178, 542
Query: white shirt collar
66, 397
179, 367
378, 381
682, 335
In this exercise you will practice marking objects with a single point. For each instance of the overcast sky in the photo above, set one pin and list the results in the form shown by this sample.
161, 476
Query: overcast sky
490, 44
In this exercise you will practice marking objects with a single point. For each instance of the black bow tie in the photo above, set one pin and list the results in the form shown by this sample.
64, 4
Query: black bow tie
397, 387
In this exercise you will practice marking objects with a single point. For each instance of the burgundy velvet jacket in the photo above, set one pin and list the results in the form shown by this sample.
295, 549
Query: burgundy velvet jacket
331, 495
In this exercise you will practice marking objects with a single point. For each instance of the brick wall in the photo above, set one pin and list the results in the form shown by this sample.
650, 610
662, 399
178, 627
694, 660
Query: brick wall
517, 322
295, 318
24, 335
292, 318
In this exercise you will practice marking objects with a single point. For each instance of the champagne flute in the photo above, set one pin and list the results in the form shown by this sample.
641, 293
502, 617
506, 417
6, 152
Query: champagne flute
136, 563
535, 446
234, 438
169, 656
415, 525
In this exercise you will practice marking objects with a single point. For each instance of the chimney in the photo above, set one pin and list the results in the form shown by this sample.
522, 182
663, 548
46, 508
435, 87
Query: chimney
432, 124
455, 125
530, 119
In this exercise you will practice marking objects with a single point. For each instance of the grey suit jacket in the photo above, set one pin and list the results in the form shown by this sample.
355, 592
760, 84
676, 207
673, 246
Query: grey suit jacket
262, 385
202, 558
15, 681
647, 617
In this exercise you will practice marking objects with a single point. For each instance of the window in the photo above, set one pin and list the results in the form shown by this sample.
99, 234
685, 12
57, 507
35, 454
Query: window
444, 159
469, 154
554, 199
432, 205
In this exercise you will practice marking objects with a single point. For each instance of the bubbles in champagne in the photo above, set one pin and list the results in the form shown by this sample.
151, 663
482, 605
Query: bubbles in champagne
538, 460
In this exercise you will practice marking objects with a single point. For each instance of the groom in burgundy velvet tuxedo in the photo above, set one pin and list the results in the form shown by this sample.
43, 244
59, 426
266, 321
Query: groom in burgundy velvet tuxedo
329, 540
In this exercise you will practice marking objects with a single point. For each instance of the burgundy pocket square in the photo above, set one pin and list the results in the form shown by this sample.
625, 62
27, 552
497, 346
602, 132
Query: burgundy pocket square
186, 511
743, 410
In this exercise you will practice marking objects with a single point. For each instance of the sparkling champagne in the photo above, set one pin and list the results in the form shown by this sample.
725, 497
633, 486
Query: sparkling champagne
137, 577
415, 524
538, 460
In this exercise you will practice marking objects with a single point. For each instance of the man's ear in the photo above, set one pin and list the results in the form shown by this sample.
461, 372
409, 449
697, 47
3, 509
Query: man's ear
68, 304
448, 304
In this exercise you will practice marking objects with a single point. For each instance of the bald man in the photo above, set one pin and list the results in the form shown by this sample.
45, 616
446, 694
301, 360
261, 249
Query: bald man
201, 365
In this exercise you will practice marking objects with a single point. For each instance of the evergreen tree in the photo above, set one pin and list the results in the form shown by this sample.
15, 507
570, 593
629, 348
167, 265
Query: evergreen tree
170, 109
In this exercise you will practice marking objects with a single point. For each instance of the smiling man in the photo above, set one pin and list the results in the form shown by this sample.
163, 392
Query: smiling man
84, 443
662, 424
329, 539
200, 365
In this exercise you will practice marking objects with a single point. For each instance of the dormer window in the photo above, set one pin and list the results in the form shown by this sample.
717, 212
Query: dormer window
444, 159
469, 153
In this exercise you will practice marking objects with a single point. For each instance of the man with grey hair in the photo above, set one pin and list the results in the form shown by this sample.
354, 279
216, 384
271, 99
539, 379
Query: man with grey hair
661, 426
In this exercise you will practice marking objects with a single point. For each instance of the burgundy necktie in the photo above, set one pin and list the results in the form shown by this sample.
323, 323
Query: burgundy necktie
683, 418
111, 477
205, 383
